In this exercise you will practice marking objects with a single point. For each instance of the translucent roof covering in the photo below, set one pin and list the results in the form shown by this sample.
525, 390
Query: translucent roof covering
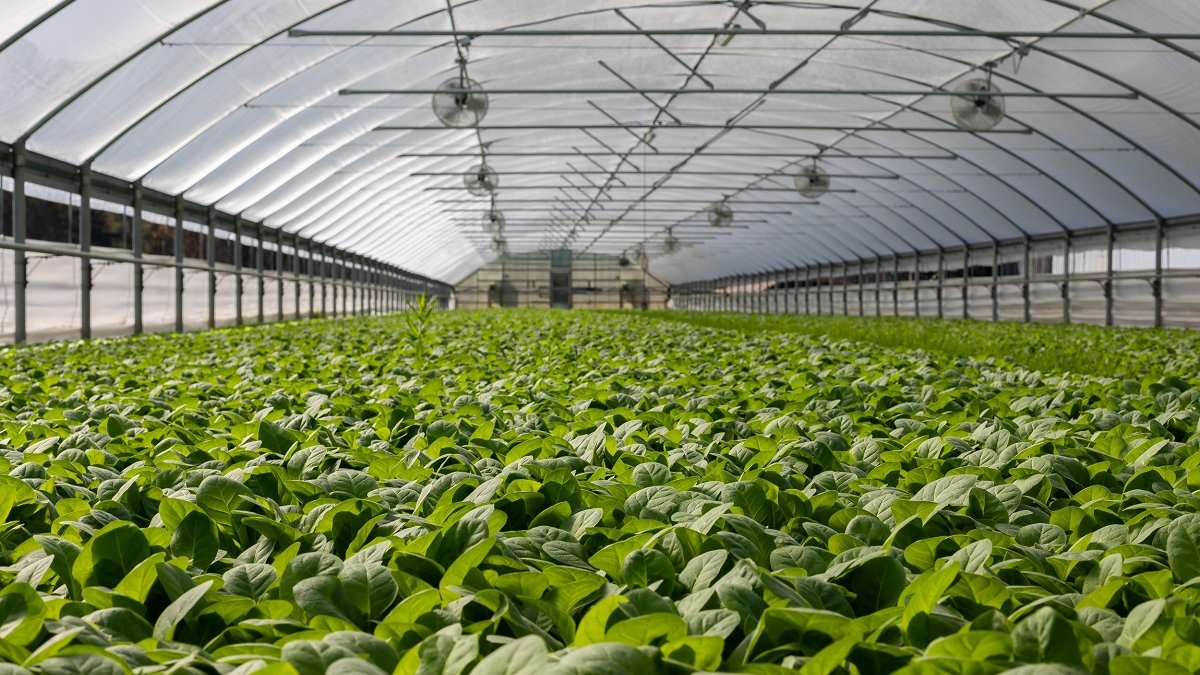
332, 134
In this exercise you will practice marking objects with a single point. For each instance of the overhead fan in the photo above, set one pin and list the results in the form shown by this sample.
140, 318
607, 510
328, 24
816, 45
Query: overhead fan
460, 103
720, 214
481, 181
624, 261
671, 243
979, 105
812, 182
493, 222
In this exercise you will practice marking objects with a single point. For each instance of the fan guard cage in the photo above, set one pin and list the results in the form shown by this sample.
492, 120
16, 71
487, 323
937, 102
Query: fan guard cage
720, 214
812, 182
481, 181
493, 222
978, 106
460, 103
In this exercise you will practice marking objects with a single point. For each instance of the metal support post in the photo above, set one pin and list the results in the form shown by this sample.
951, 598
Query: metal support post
1159, 235
139, 279
941, 283
861, 304
279, 275
322, 252
1025, 284
878, 286
259, 264
312, 284
20, 261
965, 291
845, 288
179, 280
1108, 276
896, 285
820, 286
916, 279
239, 280
995, 281
1066, 278
296, 273
85, 247
210, 257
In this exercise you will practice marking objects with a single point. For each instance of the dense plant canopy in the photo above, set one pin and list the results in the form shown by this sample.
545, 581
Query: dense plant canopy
586, 493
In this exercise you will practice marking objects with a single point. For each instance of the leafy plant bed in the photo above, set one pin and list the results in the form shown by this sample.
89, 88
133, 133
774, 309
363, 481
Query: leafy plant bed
1129, 353
585, 493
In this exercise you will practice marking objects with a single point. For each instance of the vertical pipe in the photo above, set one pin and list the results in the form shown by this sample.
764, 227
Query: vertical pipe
139, 280
1025, 294
965, 291
820, 286
279, 275
845, 288
1108, 276
325, 271
296, 272
862, 311
20, 262
995, 282
239, 280
1066, 278
312, 283
85, 249
210, 257
1159, 235
878, 286
260, 265
941, 282
896, 285
179, 216
916, 279
807, 284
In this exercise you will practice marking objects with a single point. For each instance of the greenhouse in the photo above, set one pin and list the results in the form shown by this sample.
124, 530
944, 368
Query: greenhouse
480, 337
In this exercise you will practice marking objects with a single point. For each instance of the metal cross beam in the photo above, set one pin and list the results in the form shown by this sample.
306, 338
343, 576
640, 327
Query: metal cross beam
741, 32
555, 153
744, 92
750, 174
747, 127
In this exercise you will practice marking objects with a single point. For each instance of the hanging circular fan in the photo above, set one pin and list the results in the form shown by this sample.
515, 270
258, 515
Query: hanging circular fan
979, 105
481, 181
671, 243
812, 182
460, 103
720, 214
624, 261
493, 221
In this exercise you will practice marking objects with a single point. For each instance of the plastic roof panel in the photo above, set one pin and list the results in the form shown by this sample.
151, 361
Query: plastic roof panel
214, 100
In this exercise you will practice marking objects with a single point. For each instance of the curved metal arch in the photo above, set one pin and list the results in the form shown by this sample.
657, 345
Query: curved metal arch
962, 158
219, 66
1021, 83
1015, 189
1072, 108
82, 91
898, 214
43, 18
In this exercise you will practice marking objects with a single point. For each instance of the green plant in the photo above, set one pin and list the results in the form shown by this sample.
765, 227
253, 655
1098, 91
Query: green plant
417, 323
587, 493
